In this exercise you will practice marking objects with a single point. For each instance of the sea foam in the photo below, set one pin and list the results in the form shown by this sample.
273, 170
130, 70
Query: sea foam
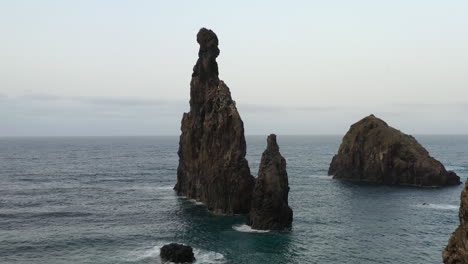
325, 177
195, 202
201, 256
248, 229
165, 187
456, 168
439, 206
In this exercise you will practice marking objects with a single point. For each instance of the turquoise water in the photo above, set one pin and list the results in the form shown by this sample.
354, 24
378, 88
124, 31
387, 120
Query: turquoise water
110, 200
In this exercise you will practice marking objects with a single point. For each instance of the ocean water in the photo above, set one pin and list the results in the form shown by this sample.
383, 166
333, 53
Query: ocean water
110, 200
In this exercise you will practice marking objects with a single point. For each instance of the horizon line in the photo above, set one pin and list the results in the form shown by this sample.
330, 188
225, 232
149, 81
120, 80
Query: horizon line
166, 135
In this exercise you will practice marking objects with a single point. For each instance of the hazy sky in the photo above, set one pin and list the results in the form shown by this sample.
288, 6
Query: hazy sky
294, 67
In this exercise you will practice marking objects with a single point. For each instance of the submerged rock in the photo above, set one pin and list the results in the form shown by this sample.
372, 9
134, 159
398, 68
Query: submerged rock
457, 249
177, 253
212, 166
270, 210
372, 151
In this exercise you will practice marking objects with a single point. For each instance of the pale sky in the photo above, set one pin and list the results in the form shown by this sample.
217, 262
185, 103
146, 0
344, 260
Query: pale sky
294, 67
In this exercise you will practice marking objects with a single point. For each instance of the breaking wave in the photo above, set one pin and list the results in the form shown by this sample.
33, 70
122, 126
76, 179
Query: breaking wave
439, 206
247, 229
201, 256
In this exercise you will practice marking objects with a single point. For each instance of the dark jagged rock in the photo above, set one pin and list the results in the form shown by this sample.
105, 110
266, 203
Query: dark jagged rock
456, 251
212, 165
372, 151
177, 253
270, 210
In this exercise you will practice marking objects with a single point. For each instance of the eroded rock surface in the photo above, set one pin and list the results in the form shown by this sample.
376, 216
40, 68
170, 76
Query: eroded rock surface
270, 209
456, 251
212, 165
372, 151
177, 253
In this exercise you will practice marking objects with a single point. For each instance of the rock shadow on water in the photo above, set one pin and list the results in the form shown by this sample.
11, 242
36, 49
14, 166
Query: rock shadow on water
264, 246
351, 192
198, 218
224, 234
369, 184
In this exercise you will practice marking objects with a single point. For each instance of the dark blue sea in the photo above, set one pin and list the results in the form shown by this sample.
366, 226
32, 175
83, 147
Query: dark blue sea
110, 200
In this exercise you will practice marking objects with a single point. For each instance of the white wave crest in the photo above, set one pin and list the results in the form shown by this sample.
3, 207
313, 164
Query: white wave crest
148, 253
248, 229
164, 188
439, 206
201, 256
208, 257
146, 188
195, 202
456, 168
326, 177
190, 200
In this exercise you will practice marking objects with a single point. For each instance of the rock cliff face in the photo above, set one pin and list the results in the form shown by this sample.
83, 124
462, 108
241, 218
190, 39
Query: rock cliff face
456, 251
372, 151
212, 165
270, 210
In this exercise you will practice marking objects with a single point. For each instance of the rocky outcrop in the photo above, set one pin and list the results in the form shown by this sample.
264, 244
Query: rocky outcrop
177, 253
456, 251
372, 151
270, 210
212, 165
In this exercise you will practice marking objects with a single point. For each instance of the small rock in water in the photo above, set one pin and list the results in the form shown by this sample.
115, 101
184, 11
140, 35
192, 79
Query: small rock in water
177, 253
425, 204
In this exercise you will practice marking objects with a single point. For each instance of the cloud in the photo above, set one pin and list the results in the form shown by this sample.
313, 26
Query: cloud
283, 108
46, 114
39, 97
50, 107
122, 101
316, 108
452, 105
39, 114
99, 100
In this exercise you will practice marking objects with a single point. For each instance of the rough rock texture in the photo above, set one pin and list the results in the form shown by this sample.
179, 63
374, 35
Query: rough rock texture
372, 151
270, 210
177, 253
456, 251
212, 165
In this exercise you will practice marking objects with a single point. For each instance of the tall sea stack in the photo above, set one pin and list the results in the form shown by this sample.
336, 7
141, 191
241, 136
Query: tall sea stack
270, 209
456, 251
373, 151
212, 165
